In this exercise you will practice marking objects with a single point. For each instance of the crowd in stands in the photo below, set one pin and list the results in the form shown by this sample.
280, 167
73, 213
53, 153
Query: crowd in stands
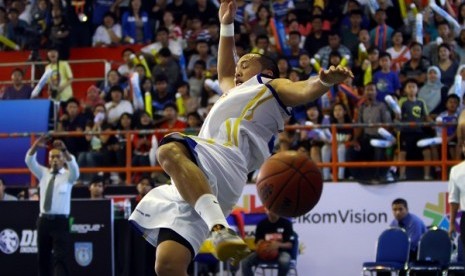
176, 68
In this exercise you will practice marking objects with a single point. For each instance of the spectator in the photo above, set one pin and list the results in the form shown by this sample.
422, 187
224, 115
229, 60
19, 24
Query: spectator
350, 33
450, 115
136, 25
193, 123
180, 9
294, 39
412, 224
162, 94
305, 66
194, 33
202, 53
163, 40
431, 50
171, 120
109, 33
280, 8
380, 34
15, 28
339, 115
59, 85
3, 22
168, 66
386, 81
143, 187
142, 142
452, 90
292, 23
5, 196
261, 24
203, 10
433, 93
261, 45
370, 110
197, 79
416, 67
400, 53
113, 79
283, 67
92, 100
101, 8
97, 188
73, 120
128, 67
314, 117
447, 66
117, 106
278, 231
58, 34
174, 30
334, 44
412, 110
125, 123
318, 38
460, 45
184, 101
18, 90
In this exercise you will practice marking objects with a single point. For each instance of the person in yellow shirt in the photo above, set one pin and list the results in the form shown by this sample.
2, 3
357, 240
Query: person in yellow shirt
60, 88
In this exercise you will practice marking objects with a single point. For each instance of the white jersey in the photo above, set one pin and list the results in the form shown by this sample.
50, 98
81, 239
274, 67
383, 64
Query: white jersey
249, 116
233, 141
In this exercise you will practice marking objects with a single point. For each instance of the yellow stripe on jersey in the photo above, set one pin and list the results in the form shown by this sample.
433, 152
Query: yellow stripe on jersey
228, 130
250, 116
244, 112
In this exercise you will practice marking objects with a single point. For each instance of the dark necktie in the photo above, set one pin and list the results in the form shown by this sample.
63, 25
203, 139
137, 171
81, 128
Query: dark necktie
49, 193
401, 225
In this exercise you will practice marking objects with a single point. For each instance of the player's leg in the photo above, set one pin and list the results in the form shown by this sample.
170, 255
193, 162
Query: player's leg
173, 254
192, 184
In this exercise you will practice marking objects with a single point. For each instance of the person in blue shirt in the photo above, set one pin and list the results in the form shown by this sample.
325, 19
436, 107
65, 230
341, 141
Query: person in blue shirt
411, 223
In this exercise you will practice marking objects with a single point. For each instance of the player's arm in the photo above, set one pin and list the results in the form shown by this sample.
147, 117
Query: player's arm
297, 93
226, 48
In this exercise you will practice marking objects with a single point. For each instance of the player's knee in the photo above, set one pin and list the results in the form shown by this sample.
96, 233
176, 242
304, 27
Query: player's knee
169, 153
167, 267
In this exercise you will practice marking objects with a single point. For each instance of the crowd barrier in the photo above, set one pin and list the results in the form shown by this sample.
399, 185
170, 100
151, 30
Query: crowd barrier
128, 169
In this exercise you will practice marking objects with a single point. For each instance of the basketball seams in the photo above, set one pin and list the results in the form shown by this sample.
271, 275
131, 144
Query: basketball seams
286, 182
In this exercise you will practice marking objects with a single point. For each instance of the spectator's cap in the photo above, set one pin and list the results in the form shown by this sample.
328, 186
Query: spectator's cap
92, 88
453, 96
170, 105
97, 179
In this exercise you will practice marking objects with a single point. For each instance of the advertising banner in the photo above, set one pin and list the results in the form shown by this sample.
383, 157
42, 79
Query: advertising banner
340, 233
90, 250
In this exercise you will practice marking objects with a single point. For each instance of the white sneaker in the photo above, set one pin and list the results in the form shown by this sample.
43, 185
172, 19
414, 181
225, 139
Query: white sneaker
229, 246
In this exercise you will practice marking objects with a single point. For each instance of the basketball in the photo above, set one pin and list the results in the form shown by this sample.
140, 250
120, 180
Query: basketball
289, 184
265, 252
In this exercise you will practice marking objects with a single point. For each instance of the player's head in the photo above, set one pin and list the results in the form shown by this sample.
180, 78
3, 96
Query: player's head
56, 159
399, 208
250, 65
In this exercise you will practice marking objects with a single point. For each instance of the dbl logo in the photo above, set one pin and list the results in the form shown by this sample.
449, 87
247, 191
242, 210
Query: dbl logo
439, 212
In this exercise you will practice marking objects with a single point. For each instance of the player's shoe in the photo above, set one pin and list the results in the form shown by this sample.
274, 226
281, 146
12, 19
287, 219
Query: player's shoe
229, 246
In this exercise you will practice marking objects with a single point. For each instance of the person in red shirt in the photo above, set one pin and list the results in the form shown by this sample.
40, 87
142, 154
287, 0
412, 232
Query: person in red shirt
170, 121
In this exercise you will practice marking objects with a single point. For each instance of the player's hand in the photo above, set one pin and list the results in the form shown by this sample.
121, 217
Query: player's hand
227, 11
335, 75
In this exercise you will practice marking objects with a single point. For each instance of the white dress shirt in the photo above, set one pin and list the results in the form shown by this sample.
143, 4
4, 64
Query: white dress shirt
457, 185
63, 184
101, 34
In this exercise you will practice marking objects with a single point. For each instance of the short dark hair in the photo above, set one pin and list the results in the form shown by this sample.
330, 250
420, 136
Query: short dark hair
356, 12
170, 105
164, 52
415, 43
385, 54
18, 70
400, 201
116, 88
268, 63
160, 78
72, 100
410, 80
162, 29
97, 179
453, 96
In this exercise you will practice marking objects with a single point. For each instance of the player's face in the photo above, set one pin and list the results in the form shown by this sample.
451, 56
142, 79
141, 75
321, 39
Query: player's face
247, 67
399, 211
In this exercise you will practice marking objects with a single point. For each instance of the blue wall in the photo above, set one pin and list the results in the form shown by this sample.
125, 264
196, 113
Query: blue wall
20, 116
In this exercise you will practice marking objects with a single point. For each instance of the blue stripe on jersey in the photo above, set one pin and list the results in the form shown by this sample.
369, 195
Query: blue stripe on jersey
275, 94
271, 143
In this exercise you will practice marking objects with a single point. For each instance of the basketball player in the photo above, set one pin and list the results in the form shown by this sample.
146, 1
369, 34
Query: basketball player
208, 172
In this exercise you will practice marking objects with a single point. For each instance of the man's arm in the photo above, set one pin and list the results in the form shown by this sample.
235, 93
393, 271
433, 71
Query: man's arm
31, 160
226, 48
298, 93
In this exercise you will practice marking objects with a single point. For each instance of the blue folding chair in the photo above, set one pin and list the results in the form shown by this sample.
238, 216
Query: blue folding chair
263, 266
457, 267
434, 251
392, 252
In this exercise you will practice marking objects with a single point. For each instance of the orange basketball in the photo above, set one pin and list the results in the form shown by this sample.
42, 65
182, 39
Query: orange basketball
289, 184
266, 252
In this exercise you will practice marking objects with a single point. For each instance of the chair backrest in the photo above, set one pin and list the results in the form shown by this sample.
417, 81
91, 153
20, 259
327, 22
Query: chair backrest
393, 246
435, 245
460, 249
295, 246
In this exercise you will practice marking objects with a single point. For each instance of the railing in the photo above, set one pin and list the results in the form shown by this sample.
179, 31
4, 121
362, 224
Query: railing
334, 164
32, 66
